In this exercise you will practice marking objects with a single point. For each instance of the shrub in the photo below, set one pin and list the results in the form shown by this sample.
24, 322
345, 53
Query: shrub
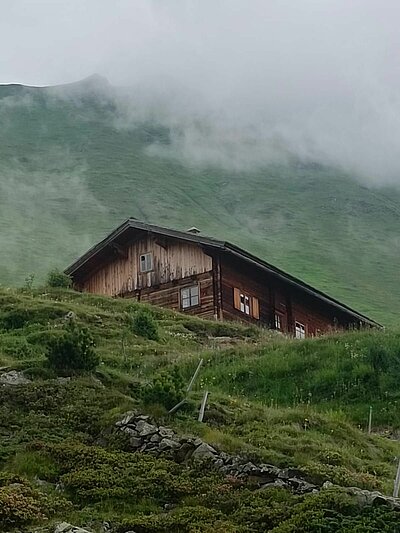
166, 389
21, 504
73, 349
56, 278
145, 325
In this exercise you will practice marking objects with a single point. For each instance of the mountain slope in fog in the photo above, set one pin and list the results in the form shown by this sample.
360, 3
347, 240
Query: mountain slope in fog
69, 174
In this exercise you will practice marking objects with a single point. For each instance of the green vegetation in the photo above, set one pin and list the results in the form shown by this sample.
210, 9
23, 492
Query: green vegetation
56, 278
87, 172
72, 350
301, 404
145, 325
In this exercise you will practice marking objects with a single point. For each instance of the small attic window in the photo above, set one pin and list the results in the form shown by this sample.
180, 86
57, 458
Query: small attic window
146, 262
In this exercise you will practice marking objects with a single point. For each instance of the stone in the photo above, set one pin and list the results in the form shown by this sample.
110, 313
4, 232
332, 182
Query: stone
144, 428
185, 452
165, 432
13, 378
63, 528
155, 438
204, 451
128, 417
290, 472
300, 485
130, 431
135, 442
270, 469
168, 444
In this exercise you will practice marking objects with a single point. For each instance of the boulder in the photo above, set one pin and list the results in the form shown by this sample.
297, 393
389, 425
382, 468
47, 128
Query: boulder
168, 444
144, 428
204, 451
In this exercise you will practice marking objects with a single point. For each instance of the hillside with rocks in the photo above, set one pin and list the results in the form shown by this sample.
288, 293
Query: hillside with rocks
91, 439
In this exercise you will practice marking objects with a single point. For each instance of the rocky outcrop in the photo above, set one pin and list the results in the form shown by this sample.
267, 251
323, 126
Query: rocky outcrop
65, 527
13, 377
366, 498
146, 436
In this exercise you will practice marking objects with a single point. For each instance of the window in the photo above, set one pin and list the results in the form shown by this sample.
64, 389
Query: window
278, 322
146, 262
190, 297
248, 305
300, 330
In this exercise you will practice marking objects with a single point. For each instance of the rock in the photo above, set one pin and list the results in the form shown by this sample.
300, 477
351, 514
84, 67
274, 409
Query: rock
204, 451
143, 417
63, 527
155, 438
144, 428
13, 378
130, 431
288, 473
300, 485
130, 415
135, 442
168, 444
185, 452
367, 498
165, 432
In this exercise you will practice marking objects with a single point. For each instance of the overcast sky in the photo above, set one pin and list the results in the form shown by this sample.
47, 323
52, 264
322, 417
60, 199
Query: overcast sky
324, 75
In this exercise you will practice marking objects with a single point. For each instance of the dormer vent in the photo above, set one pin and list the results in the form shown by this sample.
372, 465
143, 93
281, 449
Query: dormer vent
193, 230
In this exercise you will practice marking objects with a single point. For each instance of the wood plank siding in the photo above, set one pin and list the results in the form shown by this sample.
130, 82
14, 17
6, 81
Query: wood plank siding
275, 299
206, 277
171, 261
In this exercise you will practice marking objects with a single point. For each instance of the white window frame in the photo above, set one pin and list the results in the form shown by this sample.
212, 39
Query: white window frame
146, 262
300, 330
245, 304
278, 322
190, 296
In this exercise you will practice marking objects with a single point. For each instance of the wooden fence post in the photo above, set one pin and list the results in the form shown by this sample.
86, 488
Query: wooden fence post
397, 482
194, 376
203, 406
370, 420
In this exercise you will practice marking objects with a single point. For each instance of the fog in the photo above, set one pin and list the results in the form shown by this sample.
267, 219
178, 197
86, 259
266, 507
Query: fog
239, 83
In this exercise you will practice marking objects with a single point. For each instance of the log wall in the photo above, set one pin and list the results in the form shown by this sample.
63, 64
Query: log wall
172, 260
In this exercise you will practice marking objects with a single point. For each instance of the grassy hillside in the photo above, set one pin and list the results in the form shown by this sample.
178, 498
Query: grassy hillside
290, 403
69, 173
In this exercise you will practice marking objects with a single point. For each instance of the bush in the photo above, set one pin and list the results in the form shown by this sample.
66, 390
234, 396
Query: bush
56, 278
73, 349
166, 389
145, 325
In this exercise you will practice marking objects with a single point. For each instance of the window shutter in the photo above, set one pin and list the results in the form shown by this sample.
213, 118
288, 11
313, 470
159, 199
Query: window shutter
255, 308
236, 298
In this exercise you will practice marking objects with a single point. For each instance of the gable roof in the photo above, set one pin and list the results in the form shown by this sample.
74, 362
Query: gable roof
121, 235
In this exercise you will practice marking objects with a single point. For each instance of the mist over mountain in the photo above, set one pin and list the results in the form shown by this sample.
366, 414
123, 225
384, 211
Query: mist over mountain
77, 159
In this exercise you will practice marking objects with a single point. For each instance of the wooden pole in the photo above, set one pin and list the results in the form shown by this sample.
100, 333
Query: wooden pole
203, 406
177, 406
370, 420
397, 482
194, 376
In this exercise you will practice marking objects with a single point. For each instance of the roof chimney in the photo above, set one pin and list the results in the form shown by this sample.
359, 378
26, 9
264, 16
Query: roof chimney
193, 230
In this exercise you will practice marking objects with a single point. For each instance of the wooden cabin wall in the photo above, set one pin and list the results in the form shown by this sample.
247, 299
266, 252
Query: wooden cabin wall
236, 274
172, 260
168, 295
276, 297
